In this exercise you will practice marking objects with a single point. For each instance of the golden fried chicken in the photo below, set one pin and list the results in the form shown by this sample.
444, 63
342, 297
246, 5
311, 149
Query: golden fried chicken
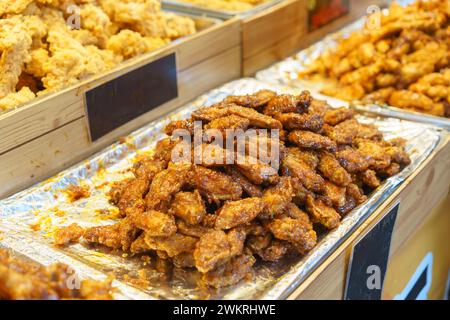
69, 234
235, 213
189, 206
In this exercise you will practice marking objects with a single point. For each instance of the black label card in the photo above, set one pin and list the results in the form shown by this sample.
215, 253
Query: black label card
369, 261
125, 98
322, 12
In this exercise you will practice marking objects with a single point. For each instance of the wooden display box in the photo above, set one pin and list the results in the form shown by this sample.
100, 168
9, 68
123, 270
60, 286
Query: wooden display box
424, 192
51, 133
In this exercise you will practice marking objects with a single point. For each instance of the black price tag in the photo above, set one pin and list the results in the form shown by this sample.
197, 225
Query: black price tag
369, 261
322, 12
125, 98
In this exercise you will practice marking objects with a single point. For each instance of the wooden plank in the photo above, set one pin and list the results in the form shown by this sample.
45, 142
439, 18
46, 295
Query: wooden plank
267, 29
422, 192
47, 155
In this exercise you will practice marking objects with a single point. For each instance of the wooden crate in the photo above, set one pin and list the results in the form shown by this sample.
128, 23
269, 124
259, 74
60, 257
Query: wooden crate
423, 191
273, 34
51, 133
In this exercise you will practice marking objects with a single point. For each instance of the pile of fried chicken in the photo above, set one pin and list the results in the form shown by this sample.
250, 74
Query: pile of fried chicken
219, 217
22, 280
229, 5
42, 49
401, 59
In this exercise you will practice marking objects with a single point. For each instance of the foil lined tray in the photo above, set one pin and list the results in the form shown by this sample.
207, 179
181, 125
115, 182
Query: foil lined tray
216, 13
287, 71
47, 204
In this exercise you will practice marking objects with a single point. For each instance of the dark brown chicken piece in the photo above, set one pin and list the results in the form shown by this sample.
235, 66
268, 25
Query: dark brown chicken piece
370, 179
173, 245
330, 168
356, 193
256, 119
240, 212
216, 186
293, 231
300, 170
216, 248
296, 213
139, 245
369, 132
255, 100
166, 184
257, 243
304, 121
189, 206
277, 198
275, 251
310, 140
184, 260
286, 103
257, 172
311, 158
353, 161
232, 122
248, 187
344, 132
300, 192
375, 152
390, 171
321, 213
69, 234
335, 116
336, 194
398, 155
231, 273
155, 223
192, 230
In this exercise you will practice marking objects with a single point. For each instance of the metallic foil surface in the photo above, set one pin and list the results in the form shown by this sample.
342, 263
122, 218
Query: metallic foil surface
46, 205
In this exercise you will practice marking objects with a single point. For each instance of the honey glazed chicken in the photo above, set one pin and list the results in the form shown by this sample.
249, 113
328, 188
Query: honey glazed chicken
403, 62
22, 280
220, 219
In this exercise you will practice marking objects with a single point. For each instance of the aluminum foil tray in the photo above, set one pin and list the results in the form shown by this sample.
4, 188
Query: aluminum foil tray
48, 205
287, 71
216, 13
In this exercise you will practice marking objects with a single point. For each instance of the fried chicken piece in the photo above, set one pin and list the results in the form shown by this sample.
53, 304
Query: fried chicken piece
309, 157
370, 179
16, 99
139, 245
288, 104
257, 172
69, 234
216, 248
310, 140
275, 251
256, 100
296, 213
193, 230
167, 183
231, 122
296, 121
132, 195
155, 223
398, 154
375, 152
231, 273
189, 206
300, 192
172, 245
336, 194
129, 44
15, 43
356, 193
390, 171
248, 187
256, 119
216, 186
293, 231
187, 125
277, 198
236, 213
298, 169
369, 132
330, 167
334, 117
96, 290
353, 161
321, 213
13, 7
184, 260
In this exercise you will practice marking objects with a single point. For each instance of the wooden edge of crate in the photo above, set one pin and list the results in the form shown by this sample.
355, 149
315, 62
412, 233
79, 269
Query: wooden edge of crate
48, 154
50, 112
419, 194
273, 25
